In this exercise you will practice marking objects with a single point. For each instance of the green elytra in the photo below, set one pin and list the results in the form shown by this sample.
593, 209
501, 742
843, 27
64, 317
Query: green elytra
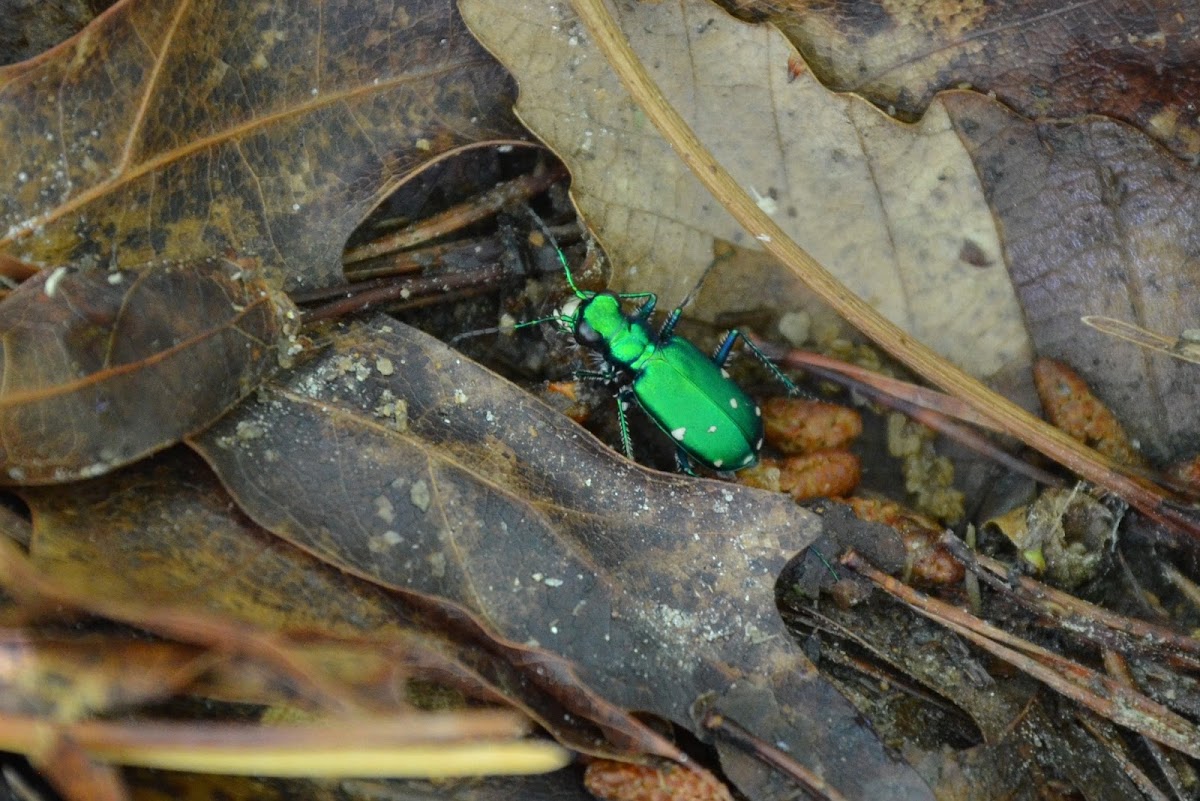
687, 394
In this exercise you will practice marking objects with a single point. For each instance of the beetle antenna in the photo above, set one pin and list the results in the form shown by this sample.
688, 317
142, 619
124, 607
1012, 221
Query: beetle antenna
500, 329
554, 318
696, 287
478, 332
562, 259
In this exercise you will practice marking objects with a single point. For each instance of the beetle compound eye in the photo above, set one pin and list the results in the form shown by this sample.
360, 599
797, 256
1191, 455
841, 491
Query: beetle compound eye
586, 334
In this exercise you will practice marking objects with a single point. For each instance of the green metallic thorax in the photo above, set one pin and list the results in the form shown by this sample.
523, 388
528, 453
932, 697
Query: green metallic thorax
622, 341
680, 388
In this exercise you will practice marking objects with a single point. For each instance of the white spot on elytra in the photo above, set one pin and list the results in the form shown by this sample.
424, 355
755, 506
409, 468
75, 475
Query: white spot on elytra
757, 412
712, 429
749, 458
679, 433
724, 373
733, 403
718, 462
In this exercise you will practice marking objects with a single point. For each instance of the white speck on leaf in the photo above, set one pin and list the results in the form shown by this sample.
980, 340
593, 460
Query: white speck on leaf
51, 285
419, 495
384, 509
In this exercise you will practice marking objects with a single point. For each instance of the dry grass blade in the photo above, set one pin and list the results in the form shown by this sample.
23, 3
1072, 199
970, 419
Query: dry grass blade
426, 745
1183, 347
21, 580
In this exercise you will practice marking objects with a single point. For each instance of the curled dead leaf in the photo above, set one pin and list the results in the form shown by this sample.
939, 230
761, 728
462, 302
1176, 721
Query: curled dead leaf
100, 369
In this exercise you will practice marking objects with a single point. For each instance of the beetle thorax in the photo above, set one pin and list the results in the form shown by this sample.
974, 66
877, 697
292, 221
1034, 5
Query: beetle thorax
601, 325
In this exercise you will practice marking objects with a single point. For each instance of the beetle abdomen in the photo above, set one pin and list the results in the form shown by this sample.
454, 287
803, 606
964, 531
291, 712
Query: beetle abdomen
705, 413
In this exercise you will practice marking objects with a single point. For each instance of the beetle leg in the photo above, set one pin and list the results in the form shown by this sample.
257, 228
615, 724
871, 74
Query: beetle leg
683, 462
644, 311
624, 396
592, 375
668, 328
722, 355
825, 562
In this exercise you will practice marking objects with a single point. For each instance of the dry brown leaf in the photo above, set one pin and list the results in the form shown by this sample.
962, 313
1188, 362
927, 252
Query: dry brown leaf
1044, 58
180, 129
100, 369
895, 211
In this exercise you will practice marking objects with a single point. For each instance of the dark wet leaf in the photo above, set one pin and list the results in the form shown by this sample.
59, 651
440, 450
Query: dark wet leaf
100, 369
1043, 58
395, 458
164, 535
180, 129
1098, 220
1000, 715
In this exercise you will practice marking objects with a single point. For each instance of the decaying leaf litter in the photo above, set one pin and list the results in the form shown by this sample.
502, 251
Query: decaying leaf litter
771, 697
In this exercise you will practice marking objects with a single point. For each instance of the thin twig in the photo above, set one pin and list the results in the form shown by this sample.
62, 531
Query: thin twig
919, 404
1118, 668
1092, 689
404, 290
458, 217
1072, 613
479, 249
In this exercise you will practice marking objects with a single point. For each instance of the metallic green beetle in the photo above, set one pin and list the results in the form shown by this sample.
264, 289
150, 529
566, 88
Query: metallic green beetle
688, 395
